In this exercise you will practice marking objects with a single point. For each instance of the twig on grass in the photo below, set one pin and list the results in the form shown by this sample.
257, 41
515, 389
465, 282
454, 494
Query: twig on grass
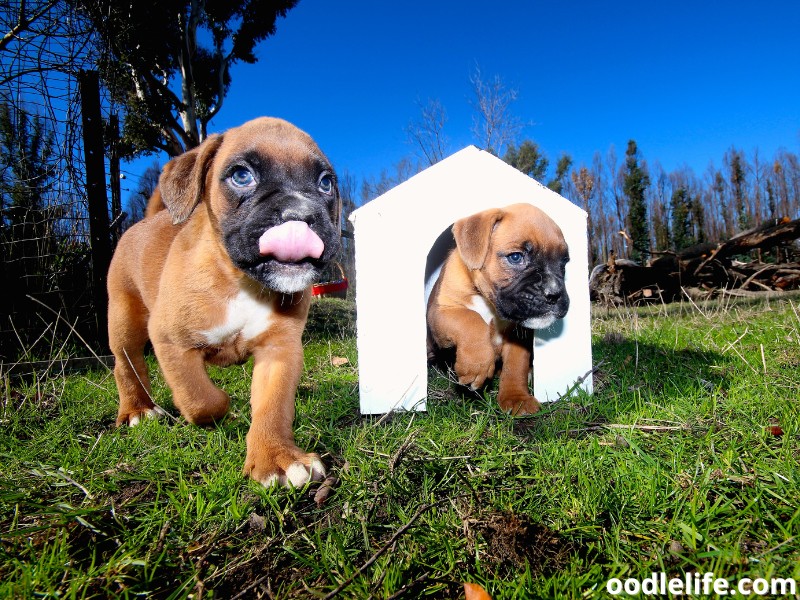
783, 543
161, 536
566, 394
581, 379
683, 289
409, 585
327, 486
646, 428
393, 409
61, 473
401, 451
251, 586
420, 511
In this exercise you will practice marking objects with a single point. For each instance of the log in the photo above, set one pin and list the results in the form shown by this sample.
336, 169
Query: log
709, 267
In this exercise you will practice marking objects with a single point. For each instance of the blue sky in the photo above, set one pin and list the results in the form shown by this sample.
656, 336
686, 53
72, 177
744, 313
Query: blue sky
686, 80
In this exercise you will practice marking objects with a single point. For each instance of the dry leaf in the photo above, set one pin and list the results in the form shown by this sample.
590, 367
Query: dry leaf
325, 490
473, 591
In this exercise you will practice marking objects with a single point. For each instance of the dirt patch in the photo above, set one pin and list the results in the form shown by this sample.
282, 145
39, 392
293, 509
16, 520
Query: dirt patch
515, 541
133, 491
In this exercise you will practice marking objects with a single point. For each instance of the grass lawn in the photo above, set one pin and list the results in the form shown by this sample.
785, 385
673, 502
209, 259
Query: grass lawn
685, 459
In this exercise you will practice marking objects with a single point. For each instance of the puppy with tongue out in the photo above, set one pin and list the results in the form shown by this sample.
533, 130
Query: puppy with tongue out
251, 220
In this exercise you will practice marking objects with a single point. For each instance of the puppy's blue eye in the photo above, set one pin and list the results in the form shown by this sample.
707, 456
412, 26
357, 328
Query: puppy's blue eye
242, 177
326, 184
515, 258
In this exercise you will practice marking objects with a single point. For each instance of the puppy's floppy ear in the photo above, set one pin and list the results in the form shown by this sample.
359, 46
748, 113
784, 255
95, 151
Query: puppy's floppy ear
182, 181
473, 235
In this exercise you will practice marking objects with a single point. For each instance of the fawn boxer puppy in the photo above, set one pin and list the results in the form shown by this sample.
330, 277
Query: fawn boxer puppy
251, 219
505, 277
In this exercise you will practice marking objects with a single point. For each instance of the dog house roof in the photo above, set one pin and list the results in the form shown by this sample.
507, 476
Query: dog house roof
467, 178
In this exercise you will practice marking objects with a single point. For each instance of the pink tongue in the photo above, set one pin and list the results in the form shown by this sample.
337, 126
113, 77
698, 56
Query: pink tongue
290, 242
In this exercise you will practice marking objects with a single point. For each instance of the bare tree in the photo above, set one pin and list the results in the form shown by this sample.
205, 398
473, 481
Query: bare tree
584, 185
427, 132
372, 188
494, 125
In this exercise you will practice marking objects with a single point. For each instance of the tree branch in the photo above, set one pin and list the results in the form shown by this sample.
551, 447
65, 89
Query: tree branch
23, 24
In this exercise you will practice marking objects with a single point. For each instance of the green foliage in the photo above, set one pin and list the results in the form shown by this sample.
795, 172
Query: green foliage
529, 159
681, 207
562, 170
155, 63
26, 156
674, 464
331, 318
635, 183
735, 162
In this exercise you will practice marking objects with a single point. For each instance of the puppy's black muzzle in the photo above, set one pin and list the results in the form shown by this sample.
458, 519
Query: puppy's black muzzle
532, 298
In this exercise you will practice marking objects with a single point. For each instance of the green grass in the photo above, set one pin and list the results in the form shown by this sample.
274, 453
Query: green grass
672, 465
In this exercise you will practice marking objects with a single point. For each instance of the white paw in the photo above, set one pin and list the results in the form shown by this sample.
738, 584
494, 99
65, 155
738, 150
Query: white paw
297, 475
152, 413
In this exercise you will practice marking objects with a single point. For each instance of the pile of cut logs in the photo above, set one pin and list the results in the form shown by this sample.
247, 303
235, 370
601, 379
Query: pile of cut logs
764, 259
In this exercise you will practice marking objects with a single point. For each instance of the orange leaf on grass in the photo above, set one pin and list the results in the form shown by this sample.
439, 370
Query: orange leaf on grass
473, 591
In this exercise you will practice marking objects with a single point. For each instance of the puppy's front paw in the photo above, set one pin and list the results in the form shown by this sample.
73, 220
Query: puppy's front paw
285, 465
133, 418
475, 367
519, 404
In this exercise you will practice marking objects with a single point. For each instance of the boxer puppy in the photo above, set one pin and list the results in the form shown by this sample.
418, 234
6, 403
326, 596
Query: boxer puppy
251, 219
504, 278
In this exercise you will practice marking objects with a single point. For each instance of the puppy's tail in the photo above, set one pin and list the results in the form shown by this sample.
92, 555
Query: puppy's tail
154, 205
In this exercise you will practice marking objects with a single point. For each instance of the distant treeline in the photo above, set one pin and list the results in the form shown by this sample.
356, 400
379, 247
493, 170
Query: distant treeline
637, 209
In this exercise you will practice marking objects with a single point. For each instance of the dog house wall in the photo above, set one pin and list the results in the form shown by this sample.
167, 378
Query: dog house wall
394, 234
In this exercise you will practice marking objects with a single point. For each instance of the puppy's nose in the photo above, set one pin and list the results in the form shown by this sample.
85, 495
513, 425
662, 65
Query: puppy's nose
552, 297
552, 292
299, 212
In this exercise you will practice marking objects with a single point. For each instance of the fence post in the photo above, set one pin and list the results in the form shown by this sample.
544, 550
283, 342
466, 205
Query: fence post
114, 178
89, 84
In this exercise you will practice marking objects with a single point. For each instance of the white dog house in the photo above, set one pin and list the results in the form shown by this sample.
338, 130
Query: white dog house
401, 241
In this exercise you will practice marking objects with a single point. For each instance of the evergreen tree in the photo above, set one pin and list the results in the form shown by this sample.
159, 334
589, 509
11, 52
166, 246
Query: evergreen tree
681, 207
26, 152
528, 158
736, 165
562, 168
28, 243
634, 186
26, 163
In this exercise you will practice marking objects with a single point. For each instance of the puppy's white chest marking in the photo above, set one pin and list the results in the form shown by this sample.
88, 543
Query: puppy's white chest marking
246, 315
480, 305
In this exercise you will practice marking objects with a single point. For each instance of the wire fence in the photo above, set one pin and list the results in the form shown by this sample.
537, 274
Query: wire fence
44, 223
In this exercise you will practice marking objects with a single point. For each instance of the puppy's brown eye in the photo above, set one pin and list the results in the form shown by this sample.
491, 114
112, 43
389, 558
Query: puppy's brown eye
242, 177
326, 184
515, 258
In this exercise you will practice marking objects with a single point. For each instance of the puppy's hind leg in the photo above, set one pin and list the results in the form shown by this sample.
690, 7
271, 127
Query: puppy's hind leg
127, 336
